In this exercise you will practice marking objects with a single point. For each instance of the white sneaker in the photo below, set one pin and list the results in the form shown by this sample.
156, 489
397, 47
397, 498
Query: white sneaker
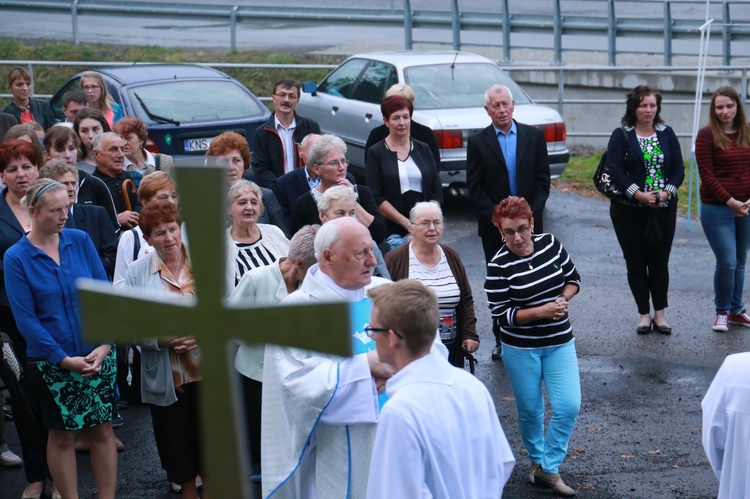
721, 323
7, 458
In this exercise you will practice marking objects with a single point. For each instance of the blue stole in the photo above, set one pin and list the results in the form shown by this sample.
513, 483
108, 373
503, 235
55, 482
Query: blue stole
359, 315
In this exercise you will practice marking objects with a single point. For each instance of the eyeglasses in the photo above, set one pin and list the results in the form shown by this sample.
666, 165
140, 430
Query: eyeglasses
369, 331
336, 164
91, 87
426, 225
510, 233
283, 96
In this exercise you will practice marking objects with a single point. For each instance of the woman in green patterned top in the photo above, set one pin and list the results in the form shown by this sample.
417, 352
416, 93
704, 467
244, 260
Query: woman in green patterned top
646, 164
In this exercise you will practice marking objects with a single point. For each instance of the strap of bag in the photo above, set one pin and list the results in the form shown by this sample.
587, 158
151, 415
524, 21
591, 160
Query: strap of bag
136, 244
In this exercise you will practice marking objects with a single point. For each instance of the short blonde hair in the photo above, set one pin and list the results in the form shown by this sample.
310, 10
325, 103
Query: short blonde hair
333, 195
401, 89
38, 191
410, 308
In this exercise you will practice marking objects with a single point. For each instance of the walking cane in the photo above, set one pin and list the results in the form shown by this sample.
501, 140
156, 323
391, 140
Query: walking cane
128, 187
472, 360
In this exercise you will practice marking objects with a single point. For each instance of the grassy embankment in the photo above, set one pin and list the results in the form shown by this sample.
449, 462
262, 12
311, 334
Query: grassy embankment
577, 177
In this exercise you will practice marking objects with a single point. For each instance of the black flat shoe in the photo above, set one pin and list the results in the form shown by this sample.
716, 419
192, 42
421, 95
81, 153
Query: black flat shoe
643, 329
661, 329
497, 352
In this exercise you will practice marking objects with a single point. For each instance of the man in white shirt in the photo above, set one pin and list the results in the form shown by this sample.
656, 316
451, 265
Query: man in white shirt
726, 426
320, 411
439, 434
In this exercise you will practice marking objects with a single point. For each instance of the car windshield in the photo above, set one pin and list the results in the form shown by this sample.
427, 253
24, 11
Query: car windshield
440, 86
192, 102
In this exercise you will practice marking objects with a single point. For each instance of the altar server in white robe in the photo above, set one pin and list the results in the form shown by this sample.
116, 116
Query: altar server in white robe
726, 426
439, 434
320, 411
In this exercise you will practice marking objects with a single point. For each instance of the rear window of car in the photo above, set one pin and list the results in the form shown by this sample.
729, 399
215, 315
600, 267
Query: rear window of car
193, 102
461, 85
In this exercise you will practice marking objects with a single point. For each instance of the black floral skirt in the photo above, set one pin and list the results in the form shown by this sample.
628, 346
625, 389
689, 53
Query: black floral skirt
70, 401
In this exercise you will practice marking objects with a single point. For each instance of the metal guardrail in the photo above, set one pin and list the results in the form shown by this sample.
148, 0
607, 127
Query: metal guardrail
667, 28
560, 72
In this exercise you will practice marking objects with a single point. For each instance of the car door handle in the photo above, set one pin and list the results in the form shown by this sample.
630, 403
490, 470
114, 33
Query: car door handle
335, 109
368, 116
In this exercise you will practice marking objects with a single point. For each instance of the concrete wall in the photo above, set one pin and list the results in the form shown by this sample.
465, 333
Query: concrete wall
602, 118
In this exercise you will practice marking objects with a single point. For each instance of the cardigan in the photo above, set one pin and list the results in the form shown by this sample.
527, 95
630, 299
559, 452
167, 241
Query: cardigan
273, 240
40, 110
44, 298
10, 233
515, 282
725, 173
397, 261
157, 383
628, 169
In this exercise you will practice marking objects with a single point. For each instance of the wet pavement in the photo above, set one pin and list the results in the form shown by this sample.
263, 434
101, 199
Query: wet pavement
639, 431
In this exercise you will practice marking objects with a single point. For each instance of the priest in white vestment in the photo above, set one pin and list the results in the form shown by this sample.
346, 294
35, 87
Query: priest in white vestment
726, 426
439, 434
320, 411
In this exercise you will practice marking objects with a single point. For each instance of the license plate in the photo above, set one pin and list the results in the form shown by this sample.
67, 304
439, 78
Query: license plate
195, 145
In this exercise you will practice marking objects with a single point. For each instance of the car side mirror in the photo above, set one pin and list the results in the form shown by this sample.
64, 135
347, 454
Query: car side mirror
310, 87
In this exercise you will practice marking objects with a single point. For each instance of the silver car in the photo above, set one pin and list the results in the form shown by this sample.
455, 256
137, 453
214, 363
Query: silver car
449, 88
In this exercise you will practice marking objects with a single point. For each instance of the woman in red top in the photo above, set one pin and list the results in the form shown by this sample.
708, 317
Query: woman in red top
722, 150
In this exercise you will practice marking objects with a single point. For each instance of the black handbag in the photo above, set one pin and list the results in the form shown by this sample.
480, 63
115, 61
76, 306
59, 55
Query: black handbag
603, 179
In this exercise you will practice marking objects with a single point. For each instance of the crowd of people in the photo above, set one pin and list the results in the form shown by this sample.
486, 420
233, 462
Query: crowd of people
85, 198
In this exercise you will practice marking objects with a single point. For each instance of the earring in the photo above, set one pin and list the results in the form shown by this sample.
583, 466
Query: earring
503, 238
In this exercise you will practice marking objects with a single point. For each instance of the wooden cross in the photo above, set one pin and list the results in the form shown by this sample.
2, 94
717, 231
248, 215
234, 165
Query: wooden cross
320, 327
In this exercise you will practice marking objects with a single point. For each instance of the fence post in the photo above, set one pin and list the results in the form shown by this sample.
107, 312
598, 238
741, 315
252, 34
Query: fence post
233, 28
558, 33
31, 73
408, 43
560, 90
74, 19
726, 35
667, 34
456, 25
611, 33
506, 32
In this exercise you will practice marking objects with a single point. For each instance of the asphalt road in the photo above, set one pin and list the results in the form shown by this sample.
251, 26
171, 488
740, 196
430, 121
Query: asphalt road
639, 431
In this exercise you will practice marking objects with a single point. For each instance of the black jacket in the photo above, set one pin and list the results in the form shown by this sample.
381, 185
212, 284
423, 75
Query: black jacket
268, 151
114, 185
94, 221
418, 131
93, 192
40, 109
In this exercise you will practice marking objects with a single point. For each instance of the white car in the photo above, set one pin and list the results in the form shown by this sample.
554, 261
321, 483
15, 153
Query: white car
449, 88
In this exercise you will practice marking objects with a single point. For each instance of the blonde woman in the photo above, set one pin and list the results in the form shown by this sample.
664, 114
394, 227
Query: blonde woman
101, 100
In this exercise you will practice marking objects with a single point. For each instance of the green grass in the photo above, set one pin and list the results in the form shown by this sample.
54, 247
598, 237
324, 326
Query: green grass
48, 79
578, 176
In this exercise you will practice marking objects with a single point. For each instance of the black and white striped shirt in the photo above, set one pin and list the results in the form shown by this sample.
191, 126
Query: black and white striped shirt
515, 282
251, 256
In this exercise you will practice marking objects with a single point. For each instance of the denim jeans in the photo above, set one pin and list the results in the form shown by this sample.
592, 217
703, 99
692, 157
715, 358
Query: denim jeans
729, 237
558, 367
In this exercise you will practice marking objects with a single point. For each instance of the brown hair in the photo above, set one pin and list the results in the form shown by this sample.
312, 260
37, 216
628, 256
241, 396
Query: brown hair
131, 124
153, 215
721, 141
634, 99
227, 142
409, 308
57, 167
58, 137
511, 207
18, 74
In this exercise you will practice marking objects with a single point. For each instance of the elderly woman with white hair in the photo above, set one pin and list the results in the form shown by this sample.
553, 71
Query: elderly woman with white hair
340, 201
250, 244
439, 267
327, 157
267, 286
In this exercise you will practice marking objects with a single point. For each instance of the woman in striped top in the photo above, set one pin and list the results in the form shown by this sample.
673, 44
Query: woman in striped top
722, 150
529, 283
249, 244
438, 267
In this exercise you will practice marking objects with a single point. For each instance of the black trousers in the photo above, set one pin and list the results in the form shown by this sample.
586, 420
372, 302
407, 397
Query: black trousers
646, 256
253, 397
31, 435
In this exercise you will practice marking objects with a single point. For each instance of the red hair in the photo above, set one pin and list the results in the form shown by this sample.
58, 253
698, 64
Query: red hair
154, 214
228, 142
511, 207
395, 103
14, 149
131, 124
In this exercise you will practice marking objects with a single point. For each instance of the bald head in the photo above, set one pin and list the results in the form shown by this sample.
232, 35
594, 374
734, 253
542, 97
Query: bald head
304, 150
343, 247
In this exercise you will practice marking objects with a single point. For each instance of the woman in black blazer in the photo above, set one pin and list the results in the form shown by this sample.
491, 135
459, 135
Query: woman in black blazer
400, 171
646, 164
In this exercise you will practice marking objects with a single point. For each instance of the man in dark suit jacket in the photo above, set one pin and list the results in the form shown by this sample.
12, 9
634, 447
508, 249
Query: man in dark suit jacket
490, 176
95, 222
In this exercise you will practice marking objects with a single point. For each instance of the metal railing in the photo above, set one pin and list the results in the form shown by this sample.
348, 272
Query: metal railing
503, 22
